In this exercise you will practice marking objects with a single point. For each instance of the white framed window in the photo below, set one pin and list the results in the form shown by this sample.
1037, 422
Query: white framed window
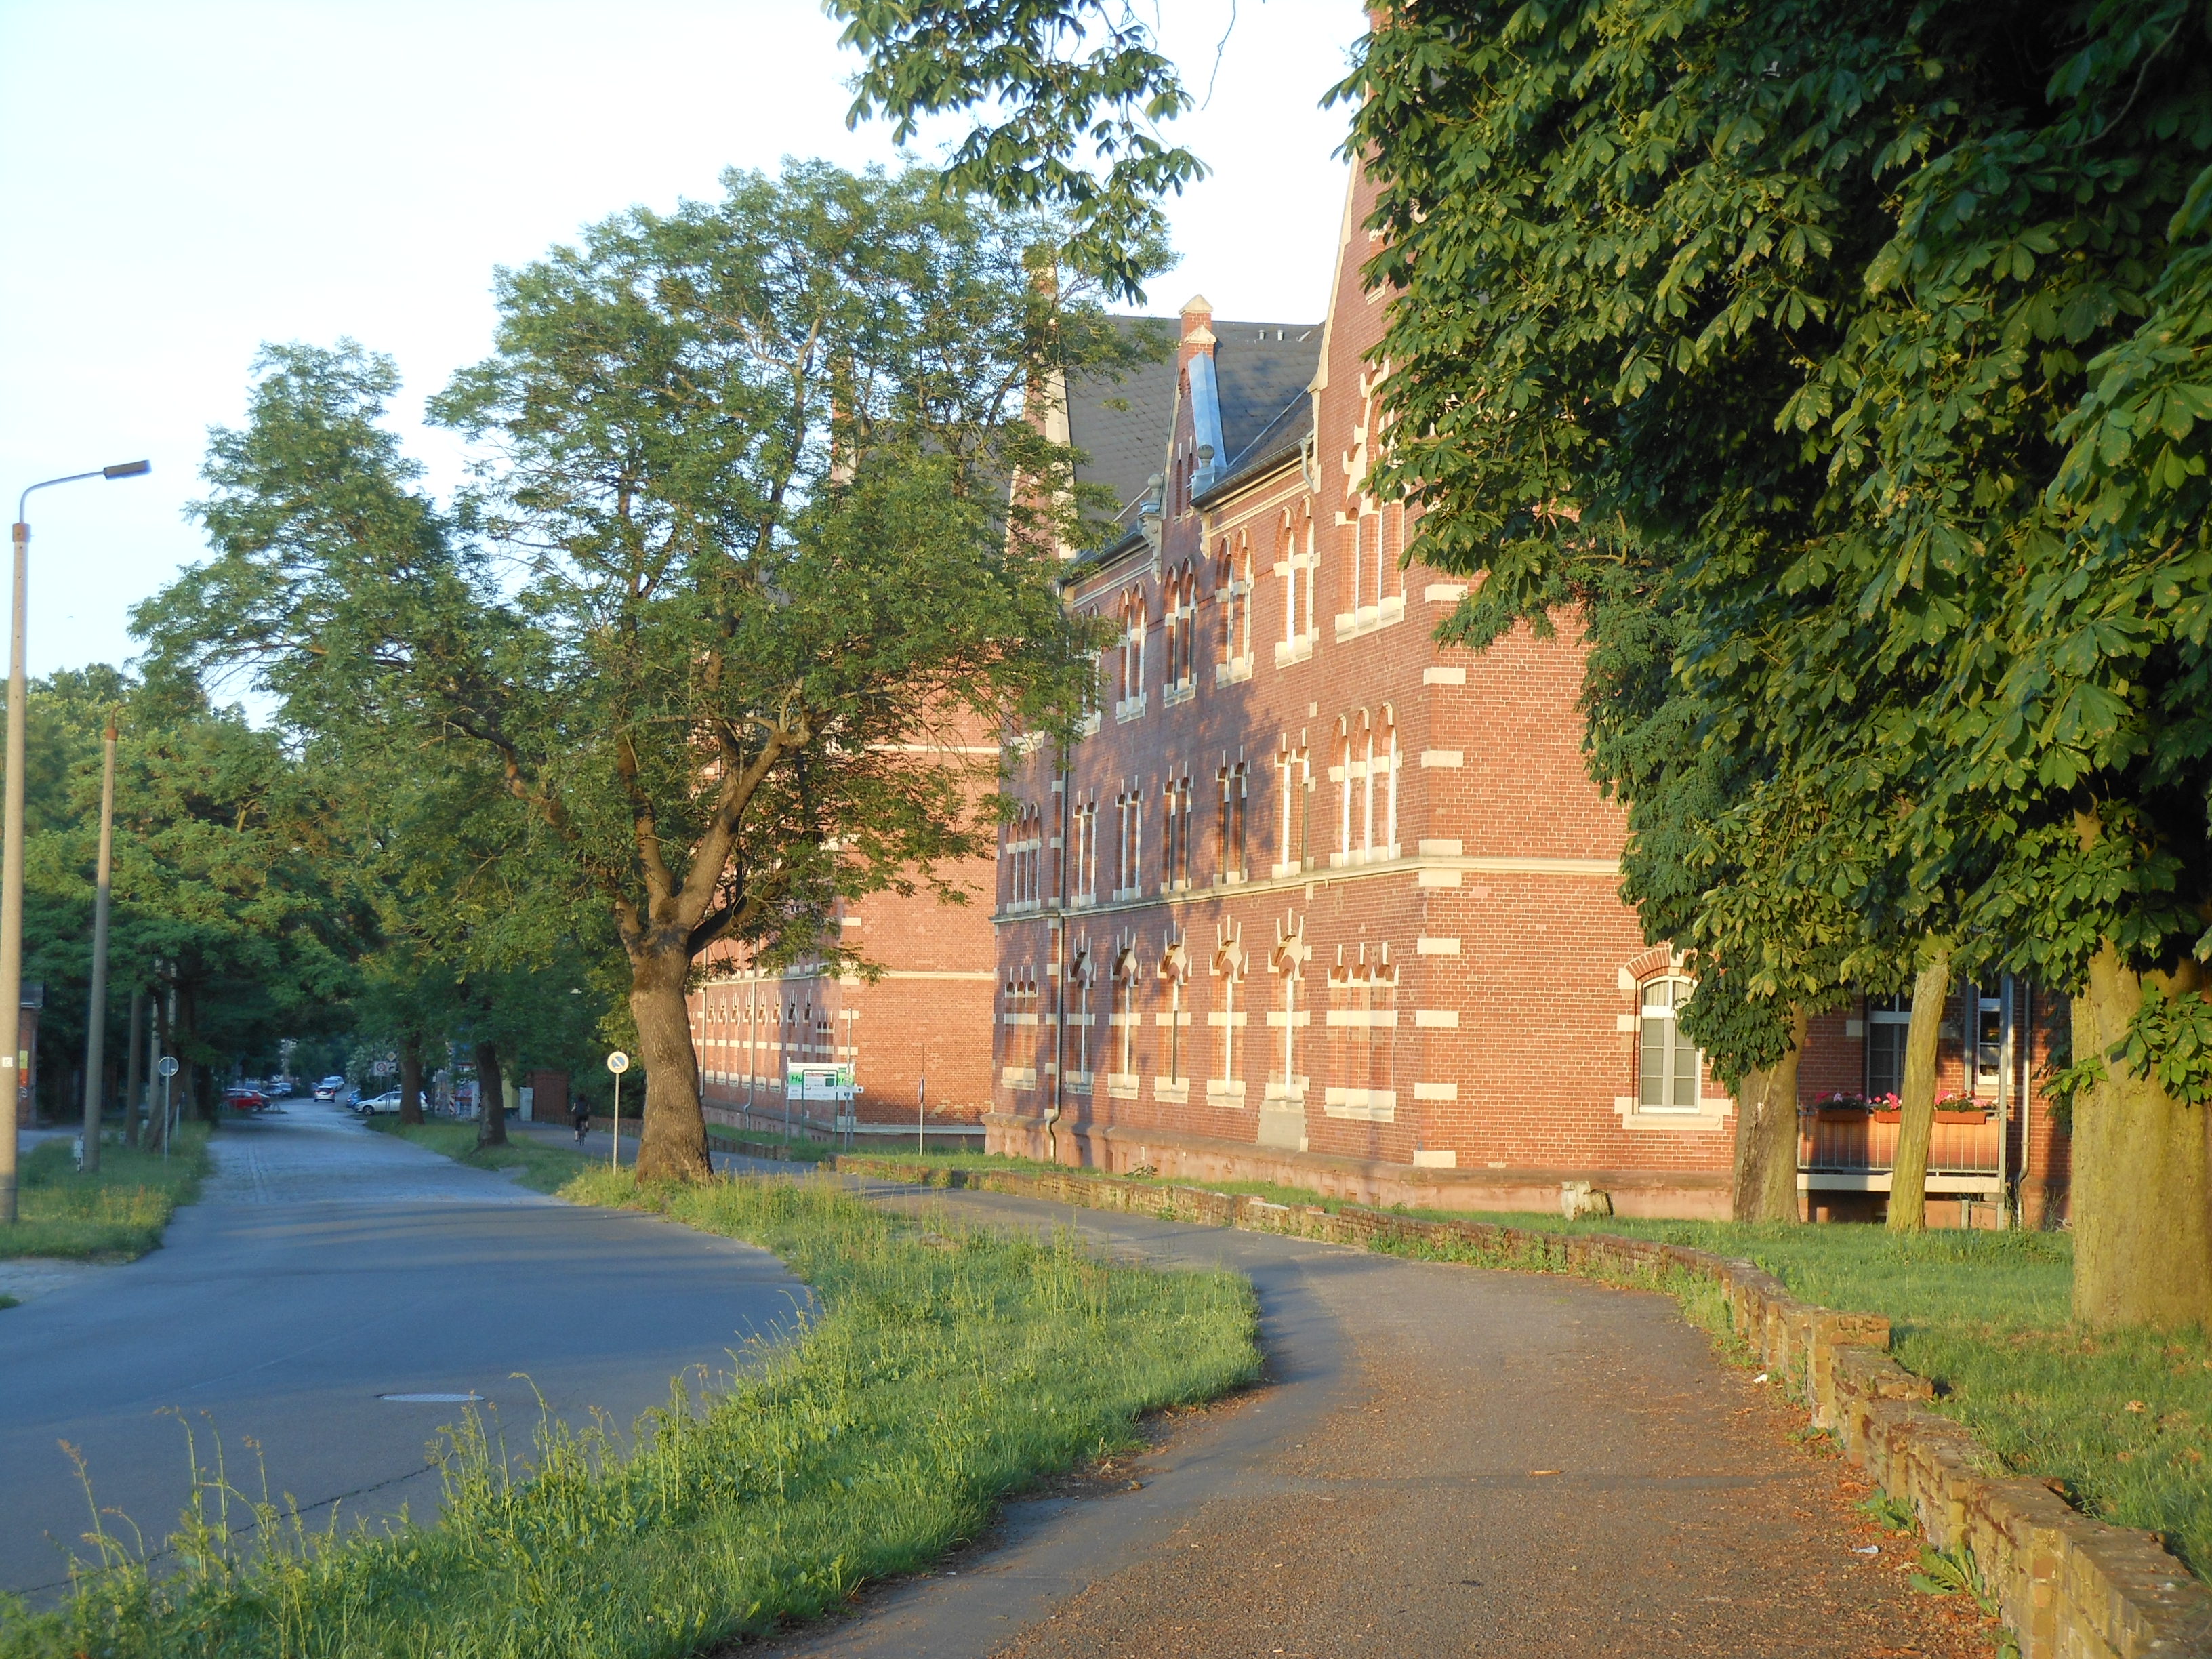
1288, 962
1228, 965
1666, 1062
1986, 1008
1125, 1011
1293, 779
1889, 1019
1174, 973
1229, 828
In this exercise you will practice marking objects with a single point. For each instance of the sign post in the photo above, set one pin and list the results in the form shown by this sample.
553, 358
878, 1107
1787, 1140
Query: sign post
617, 1062
168, 1068
921, 1102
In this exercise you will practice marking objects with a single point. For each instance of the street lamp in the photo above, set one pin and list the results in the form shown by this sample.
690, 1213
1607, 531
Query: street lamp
11, 856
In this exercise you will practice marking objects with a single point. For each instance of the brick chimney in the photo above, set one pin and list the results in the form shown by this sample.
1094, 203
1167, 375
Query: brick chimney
1197, 330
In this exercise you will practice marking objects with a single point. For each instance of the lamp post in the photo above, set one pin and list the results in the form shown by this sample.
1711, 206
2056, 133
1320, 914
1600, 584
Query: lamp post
95, 1023
11, 856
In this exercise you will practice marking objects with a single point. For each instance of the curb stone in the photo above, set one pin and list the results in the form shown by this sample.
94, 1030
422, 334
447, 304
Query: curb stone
2069, 1586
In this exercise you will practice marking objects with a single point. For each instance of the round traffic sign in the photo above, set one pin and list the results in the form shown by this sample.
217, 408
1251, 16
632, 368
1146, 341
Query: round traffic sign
168, 1065
618, 1062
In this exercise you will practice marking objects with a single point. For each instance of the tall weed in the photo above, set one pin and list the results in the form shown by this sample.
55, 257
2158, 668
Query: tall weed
940, 1368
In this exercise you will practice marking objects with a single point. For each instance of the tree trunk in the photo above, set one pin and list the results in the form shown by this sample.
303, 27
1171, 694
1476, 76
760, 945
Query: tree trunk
187, 1036
134, 1089
161, 1093
491, 1104
411, 1078
1766, 1187
674, 1144
1908, 1179
2142, 1213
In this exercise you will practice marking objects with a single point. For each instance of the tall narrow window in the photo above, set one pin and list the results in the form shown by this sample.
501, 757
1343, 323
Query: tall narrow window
1288, 962
1367, 786
1888, 1020
1086, 852
1241, 632
1387, 754
1184, 801
1228, 966
1381, 1020
1344, 790
1667, 1061
1125, 1021
1307, 625
1290, 802
1230, 833
1987, 1007
1171, 630
1174, 972
1078, 975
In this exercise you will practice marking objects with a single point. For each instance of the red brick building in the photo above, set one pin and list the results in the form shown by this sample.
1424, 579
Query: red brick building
1316, 899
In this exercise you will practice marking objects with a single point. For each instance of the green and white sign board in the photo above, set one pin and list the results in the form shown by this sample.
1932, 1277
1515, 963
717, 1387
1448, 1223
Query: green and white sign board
818, 1082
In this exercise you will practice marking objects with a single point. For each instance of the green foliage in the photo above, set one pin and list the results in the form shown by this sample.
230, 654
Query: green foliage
2169, 1042
1079, 92
1889, 1512
116, 1214
939, 1369
741, 568
224, 883
1825, 318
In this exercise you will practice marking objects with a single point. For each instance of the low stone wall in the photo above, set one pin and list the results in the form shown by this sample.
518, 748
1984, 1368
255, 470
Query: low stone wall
2070, 1587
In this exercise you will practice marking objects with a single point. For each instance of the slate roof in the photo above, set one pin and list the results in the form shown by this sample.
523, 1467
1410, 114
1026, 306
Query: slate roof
1283, 436
1261, 369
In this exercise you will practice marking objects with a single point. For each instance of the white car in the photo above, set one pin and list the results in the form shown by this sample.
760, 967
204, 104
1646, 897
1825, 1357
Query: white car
386, 1103
331, 1088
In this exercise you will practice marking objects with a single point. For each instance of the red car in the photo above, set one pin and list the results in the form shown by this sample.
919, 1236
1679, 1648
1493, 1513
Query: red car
243, 1099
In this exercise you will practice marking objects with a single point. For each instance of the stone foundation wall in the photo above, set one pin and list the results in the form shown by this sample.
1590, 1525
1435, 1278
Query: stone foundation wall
2071, 1588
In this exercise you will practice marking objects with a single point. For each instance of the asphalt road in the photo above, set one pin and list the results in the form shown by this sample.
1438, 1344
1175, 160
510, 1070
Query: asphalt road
326, 1266
1444, 1462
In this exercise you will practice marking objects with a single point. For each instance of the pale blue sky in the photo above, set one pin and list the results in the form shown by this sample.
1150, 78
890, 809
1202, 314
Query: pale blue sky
181, 181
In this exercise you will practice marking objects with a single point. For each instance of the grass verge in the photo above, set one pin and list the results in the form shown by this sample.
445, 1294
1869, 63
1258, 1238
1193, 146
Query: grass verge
2121, 1421
115, 1215
943, 1368
763, 1143
543, 1169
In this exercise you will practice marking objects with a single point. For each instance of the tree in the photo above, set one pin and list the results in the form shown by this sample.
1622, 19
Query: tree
223, 890
750, 470
1818, 296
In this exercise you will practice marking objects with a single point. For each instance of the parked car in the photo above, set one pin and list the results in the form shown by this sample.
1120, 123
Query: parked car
331, 1088
243, 1098
385, 1104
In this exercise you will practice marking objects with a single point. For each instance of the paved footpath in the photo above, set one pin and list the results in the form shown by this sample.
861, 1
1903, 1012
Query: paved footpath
1444, 1462
326, 1266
